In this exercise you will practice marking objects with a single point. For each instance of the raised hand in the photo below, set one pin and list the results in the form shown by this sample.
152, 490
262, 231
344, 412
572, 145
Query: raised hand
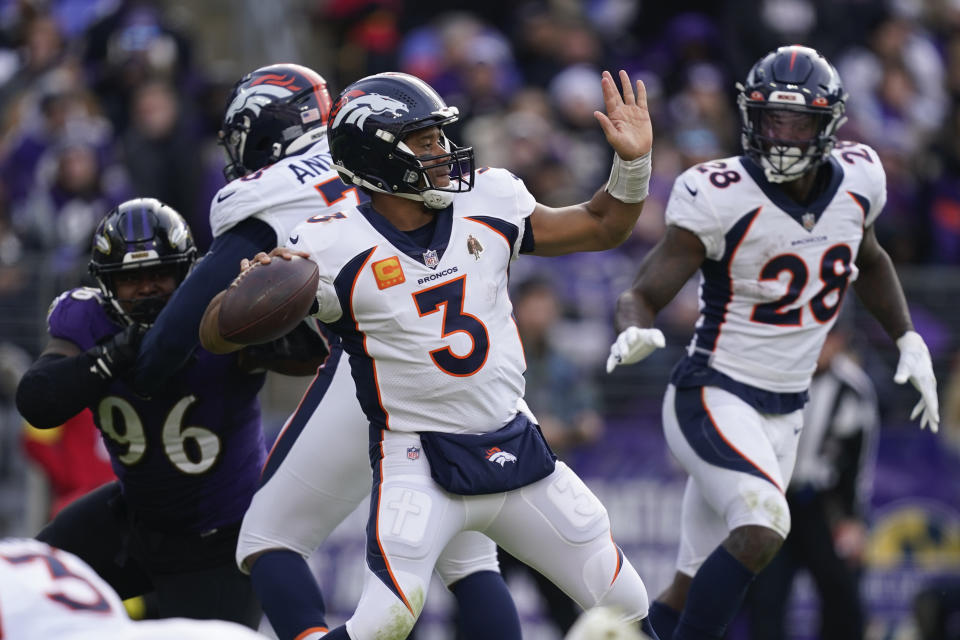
626, 124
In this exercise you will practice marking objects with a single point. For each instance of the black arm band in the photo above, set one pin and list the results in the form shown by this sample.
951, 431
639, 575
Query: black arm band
57, 387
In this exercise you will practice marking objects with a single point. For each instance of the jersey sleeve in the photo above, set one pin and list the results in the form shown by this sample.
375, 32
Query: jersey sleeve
234, 203
308, 239
689, 208
526, 203
77, 315
877, 179
509, 198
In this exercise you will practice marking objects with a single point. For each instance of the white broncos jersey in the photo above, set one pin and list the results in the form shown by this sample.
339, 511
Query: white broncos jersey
430, 332
48, 593
775, 272
284, 194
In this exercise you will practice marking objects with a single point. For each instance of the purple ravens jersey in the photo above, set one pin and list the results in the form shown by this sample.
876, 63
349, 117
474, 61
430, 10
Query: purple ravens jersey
188, 458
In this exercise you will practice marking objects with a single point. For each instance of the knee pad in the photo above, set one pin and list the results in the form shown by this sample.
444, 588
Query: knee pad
760, 503
626, 593
381, 614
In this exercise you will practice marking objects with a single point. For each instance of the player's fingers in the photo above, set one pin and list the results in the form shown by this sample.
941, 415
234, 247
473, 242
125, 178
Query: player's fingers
917, 409
628, 96
612, 362
244, 264
902, 374
930, 399
605, 124
934, 423
641, 94
612, 98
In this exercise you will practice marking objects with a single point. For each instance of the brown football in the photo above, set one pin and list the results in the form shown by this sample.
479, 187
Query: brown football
268, 301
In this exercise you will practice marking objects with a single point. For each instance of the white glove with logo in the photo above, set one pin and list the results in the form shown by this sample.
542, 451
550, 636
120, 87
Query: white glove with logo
915, 366
633, 345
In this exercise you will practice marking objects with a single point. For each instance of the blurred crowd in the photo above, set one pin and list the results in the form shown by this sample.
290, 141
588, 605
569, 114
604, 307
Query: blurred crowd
101, 100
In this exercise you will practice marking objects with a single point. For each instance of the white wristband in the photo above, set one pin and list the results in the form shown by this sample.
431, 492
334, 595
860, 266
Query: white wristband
630, 179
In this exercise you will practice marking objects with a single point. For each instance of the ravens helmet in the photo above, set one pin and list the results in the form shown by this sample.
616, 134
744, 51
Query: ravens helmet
368, 125
272, 112
138, 234
791, 82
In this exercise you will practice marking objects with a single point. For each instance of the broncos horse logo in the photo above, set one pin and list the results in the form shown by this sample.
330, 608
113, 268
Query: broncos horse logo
255, 100
499, 456
356, 109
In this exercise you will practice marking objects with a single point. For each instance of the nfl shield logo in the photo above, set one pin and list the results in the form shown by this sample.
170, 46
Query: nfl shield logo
413, 453
430, 258
809, 220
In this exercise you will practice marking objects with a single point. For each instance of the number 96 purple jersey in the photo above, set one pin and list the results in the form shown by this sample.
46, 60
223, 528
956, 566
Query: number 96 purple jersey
188, 458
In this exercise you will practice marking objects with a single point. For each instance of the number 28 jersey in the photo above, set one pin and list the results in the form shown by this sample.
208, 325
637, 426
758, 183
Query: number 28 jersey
775, 272
429, 330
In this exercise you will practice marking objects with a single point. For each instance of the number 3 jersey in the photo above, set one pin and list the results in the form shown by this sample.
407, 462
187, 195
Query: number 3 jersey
429, 329
775, 272
189, 457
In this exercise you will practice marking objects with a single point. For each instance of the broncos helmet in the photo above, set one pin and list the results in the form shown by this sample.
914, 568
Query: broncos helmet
142, 233
367, 128
272, 111
795, 79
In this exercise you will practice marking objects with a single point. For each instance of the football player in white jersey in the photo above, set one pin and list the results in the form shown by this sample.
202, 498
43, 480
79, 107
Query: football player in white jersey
280, 172
49, 593
778, 235
415, 283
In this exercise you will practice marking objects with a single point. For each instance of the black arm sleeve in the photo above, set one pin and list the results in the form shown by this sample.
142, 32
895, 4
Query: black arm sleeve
175, 335
527, 245
57, 387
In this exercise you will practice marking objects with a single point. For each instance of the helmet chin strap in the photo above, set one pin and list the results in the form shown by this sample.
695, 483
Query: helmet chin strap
799, 162
431, 198
434, 199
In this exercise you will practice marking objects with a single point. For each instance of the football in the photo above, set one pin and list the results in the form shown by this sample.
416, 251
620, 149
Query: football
268, 300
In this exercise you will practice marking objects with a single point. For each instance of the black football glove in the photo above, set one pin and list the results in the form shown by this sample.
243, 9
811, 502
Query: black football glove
297, 353
117, 355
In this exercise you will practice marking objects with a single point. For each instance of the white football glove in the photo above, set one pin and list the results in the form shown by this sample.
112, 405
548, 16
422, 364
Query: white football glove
633, 345
915, 366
